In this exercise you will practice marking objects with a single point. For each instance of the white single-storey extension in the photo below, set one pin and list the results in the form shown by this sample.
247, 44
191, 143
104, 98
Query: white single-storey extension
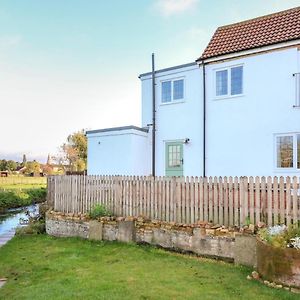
233, 112
119, 151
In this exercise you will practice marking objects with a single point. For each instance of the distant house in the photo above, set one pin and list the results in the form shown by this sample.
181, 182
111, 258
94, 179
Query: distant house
234, 111
3, 173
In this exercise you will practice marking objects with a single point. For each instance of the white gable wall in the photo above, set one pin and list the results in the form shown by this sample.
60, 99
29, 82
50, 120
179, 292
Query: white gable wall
240, 130
179, 120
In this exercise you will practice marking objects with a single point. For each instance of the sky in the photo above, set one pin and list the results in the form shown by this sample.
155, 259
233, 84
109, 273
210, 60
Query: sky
74, 64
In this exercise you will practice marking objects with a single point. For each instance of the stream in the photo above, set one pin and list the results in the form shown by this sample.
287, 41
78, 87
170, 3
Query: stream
15, 217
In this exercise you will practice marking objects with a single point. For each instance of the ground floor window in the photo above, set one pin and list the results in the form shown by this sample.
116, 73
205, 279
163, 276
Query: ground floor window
288, 151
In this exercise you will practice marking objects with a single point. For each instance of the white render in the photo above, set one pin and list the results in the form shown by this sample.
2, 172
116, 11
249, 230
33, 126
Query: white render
179, 120
240, 130
118, 152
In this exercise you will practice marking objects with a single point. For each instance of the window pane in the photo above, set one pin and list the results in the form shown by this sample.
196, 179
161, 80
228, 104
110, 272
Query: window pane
298, 151
174, 156
236, 80
284, 152
221, 83
178, 89
166, 91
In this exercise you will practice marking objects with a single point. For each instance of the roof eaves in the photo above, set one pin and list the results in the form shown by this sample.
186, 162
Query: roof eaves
130, 127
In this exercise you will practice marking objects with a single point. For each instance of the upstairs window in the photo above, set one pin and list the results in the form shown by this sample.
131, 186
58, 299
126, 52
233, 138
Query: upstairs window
288, 151
172, 90
297, 91
229, 82
166, 90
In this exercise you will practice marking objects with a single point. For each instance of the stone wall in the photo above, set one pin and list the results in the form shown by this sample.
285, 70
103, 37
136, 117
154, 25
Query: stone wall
201, 239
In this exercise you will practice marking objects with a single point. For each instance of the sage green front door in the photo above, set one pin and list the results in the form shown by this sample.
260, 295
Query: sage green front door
174, 159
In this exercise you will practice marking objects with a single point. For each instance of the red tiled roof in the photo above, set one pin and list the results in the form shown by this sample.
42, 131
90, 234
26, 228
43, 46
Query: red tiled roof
263, 31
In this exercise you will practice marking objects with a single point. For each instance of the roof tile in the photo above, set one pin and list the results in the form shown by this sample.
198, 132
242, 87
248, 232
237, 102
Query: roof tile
263, 31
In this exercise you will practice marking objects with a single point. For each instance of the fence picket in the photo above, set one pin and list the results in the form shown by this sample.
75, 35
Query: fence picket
227, 201
295, 200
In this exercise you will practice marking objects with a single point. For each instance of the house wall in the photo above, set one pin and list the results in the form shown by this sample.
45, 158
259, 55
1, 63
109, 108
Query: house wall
241, 130
120, 152
177, 121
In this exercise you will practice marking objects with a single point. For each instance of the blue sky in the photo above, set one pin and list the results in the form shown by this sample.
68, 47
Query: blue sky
73, 64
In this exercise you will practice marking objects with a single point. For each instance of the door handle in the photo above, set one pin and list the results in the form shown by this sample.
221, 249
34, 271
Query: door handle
181, 161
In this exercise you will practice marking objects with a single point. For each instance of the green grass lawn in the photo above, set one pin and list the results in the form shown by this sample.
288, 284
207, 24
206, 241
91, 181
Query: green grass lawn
43, 267
21, 191
21, 181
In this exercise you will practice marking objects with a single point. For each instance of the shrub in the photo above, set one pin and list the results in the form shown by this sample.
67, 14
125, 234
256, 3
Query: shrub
17, 198
37, 227
98, 211
281, 236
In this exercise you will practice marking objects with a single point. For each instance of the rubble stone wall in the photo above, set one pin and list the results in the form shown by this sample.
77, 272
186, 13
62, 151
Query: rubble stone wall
203, 239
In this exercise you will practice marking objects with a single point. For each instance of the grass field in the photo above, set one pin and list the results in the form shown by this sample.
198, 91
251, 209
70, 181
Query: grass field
18, 182
21, 191
43, 267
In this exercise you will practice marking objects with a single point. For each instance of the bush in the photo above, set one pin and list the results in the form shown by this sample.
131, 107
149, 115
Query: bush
37, 227
17, 198
281, 236
99, 211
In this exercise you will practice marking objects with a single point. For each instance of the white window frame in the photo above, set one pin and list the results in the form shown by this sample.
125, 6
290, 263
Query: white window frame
172, 86
295, 152
228, 69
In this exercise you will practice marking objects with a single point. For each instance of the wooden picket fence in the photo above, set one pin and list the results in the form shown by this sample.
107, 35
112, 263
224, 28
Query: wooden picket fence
222, 200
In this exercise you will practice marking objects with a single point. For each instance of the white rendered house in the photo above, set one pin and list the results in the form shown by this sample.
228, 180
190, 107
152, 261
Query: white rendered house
235, 111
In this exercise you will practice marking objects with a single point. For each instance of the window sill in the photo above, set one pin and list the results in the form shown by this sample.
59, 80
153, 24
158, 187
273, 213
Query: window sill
228, 97
172, 102
287, 170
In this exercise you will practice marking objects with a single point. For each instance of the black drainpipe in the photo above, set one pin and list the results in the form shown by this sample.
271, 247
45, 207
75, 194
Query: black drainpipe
153, 116
204, 120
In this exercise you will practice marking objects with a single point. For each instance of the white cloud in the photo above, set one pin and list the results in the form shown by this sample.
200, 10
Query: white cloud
173, 7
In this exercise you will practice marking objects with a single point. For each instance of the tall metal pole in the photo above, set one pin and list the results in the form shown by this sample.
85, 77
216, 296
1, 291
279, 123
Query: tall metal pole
204, 119
153, 116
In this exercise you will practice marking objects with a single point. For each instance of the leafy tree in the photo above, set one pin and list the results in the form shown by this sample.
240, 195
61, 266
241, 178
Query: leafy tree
75, 151
11, 165
3, 165
32, 167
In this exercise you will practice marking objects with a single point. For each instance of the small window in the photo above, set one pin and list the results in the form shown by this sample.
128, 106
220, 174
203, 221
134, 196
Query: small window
172, 90
174, 156
288, 151
178, 89
222, 83
229, 82
166, 91
284, 152
298, 151
236, 80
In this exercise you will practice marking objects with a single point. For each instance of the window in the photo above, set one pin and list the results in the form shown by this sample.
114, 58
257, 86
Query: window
172, 90
174, 156
222, 83
288, 151
229, 82
166, 91
298, 151
297, 90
